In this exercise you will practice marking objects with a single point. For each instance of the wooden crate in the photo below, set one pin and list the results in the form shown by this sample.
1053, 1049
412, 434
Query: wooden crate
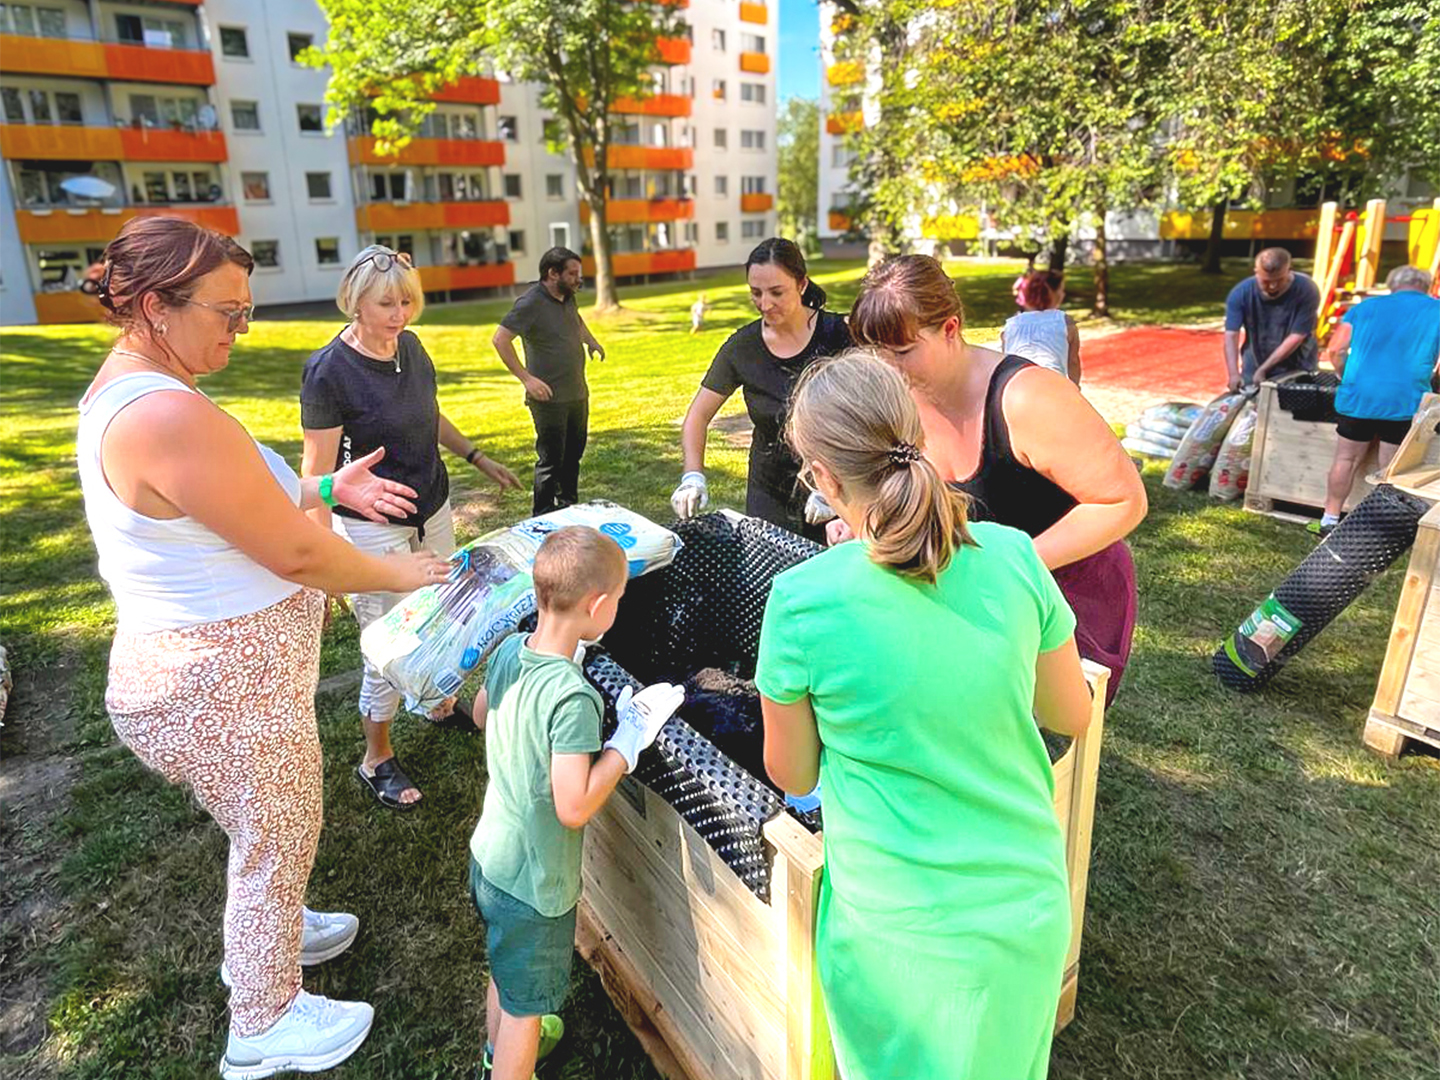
1291, 460
721, 986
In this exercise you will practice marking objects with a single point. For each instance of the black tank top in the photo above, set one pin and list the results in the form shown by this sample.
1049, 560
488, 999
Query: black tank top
1003, 490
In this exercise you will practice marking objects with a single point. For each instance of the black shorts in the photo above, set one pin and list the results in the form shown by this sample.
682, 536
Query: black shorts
1358, 429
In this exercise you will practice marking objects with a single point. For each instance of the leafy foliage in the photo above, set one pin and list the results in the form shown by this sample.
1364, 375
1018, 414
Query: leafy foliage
798, 143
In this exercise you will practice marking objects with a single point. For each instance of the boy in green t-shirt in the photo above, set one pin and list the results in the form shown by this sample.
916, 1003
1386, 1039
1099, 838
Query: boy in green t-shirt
542, 737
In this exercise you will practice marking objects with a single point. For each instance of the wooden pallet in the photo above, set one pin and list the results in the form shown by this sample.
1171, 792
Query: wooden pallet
1391, 736
719, 985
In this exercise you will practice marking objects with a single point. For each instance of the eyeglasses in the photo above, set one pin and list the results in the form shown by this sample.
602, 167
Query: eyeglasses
233, 316
385, 260
806, 476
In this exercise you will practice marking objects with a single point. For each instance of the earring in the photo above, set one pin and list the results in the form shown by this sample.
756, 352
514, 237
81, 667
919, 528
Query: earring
161, 329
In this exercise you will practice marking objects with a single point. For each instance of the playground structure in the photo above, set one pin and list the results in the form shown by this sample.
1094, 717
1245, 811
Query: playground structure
1347, 254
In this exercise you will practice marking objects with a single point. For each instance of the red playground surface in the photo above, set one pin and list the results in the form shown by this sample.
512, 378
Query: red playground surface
1169, 361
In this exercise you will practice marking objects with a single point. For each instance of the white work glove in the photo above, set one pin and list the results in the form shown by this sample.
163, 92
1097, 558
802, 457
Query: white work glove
641, 717
692, 496
818, 510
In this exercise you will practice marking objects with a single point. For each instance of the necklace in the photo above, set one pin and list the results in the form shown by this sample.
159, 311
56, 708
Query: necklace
358, 344
152, 362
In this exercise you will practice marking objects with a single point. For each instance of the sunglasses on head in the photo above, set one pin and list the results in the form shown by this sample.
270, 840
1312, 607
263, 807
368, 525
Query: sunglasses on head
385, 260
233, 316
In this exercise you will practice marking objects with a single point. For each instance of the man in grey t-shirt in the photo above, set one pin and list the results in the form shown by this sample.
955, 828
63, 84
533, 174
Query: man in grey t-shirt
547, 319
1278, 310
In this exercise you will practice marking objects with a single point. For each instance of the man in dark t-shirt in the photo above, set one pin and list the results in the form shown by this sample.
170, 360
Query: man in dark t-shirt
1277, 309
547, 319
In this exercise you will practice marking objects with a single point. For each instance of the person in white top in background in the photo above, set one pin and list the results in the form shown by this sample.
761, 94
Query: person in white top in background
697, 314
1042, 333
219, 581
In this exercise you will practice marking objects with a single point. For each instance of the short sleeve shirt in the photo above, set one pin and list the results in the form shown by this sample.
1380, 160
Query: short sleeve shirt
375, 403
745, 362
938, 790
554, 342
539, 706
1394, 346
1269, 322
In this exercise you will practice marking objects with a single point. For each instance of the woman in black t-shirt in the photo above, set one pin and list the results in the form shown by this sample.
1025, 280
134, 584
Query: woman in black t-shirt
374, 386
764, 359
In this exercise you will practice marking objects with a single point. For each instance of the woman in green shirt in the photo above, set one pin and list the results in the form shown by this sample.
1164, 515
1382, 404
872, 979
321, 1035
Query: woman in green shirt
904, 671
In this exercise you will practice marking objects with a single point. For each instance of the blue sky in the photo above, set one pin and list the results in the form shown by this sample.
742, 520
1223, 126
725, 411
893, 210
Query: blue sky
798, 62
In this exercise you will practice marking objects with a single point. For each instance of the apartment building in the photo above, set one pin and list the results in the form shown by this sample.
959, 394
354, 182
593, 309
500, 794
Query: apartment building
200, 108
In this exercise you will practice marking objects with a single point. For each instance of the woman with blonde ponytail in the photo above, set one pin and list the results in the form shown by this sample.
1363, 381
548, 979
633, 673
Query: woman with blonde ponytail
917, 660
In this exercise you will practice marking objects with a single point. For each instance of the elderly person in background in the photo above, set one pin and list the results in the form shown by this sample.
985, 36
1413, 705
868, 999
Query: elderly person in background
1385, 351
1277, 310
219, 582
374, 386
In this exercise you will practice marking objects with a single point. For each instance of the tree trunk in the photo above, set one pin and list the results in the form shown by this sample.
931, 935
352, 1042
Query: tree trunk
1217, 237
606, 296
1101, 262
1059, 248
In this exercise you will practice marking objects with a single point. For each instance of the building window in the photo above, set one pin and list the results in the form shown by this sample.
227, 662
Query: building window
312, 118
327, 250
245, 115
233, 43
40, 107
509, 129
841, 156
753, 230
517, 241
560, 235
14, 108
33, 21
554, 186
67, 108
717, 89
752, 43
717, 39
266, 254
512, 186
722, 186
752, 140
722, 232
722, 138
553, 131
318, 185
256, 186
387, 187
752, 185
692, 232
753, 92
691, 185
298, 44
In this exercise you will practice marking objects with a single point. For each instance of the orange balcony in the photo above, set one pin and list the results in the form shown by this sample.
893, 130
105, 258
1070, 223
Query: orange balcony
101, 226
845, 123
139, 63
1242, 225
430, 152
673, 50
756, 204
67, 307
443, 278
845, 73
839, 221
633, 264
54, 142
633, 211
647, 157
754, 13
757, 63
655, 105
159, 144
470, 90
52, 56
388, 217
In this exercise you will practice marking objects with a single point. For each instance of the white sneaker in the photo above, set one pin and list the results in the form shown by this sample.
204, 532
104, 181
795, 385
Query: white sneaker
327, 935
315, 1033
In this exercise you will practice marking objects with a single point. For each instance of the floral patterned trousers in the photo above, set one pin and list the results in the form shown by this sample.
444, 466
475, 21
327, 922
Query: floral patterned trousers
228, 707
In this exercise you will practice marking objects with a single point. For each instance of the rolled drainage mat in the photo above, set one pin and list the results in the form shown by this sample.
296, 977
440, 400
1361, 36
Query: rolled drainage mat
1371, 537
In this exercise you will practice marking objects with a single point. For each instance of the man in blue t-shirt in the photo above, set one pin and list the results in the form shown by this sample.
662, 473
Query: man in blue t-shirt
1393, 345
1277, 309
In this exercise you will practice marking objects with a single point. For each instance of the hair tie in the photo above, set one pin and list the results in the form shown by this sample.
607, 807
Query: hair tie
903, 453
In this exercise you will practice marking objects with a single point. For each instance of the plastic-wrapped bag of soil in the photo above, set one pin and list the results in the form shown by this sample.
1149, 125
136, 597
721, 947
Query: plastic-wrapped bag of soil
1191, 464
1231, 472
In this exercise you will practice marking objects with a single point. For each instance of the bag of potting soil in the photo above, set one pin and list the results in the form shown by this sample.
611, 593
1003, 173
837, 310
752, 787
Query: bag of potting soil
1159, 438
1231, 471
1147, 447
1191, 464
1180, 414
426, 645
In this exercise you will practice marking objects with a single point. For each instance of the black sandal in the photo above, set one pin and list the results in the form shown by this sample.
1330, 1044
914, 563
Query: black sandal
388, 784
458, 720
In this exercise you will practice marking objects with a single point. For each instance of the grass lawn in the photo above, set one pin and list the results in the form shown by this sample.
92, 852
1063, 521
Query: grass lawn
1263, 896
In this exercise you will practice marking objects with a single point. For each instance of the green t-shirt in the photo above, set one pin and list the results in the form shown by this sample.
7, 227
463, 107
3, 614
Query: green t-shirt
937, 787
539, 706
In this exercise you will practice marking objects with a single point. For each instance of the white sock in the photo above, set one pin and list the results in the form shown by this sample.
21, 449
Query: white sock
1329, 519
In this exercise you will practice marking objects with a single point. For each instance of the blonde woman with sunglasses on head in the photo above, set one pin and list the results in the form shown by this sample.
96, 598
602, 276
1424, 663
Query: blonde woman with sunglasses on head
374, 385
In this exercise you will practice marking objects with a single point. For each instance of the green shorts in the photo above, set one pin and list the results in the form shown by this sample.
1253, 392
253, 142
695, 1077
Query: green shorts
530, 954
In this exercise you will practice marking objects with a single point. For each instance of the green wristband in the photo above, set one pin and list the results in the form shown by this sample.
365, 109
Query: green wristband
327, 489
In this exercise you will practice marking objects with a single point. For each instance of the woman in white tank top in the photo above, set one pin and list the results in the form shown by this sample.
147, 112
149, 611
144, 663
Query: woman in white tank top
219, 579
1042, 333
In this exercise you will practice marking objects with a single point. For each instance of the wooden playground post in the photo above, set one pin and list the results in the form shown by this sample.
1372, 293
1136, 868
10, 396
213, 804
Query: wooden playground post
1331, 283
1325, 240
1372, 234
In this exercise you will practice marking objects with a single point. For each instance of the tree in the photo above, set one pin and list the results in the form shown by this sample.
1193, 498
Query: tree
798, 143
391, 55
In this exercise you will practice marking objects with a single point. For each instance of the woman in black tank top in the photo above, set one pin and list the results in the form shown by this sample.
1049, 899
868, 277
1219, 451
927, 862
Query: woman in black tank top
1021, 441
